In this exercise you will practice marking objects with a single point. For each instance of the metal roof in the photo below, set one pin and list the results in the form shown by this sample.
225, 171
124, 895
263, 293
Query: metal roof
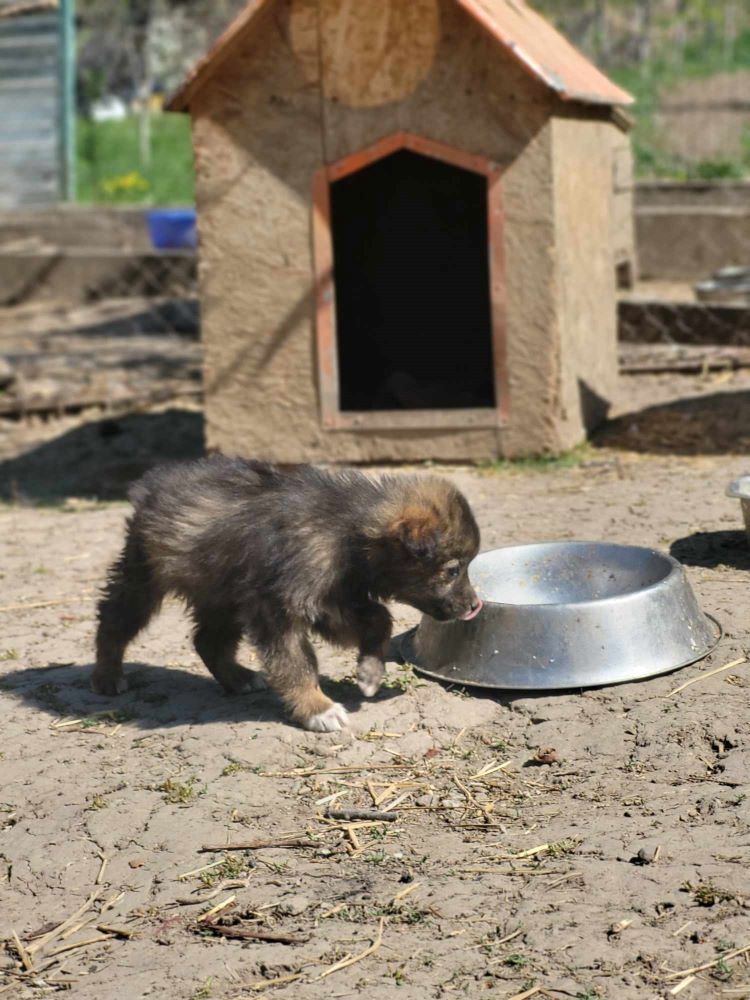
530, 39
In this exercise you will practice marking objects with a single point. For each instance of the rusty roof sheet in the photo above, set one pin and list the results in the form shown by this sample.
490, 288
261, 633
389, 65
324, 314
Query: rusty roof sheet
544, 52
530, 39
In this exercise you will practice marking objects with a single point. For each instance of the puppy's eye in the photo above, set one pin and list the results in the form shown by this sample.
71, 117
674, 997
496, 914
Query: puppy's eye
452, 570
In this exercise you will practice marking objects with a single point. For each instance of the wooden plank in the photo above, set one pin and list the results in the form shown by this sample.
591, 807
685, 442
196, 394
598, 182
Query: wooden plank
375, 420
22, 85
498, 293
30, 43
325, 323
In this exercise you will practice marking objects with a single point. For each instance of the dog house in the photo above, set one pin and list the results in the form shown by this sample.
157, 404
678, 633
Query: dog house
408, 234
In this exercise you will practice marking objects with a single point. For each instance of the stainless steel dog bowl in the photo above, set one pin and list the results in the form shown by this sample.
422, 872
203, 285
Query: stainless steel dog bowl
739, 489
567, 614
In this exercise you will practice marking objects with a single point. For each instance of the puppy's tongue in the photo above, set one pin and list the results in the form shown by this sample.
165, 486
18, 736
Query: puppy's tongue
473, 613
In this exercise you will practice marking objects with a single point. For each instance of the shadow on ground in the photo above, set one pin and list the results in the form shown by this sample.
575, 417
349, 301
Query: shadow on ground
714, 424
102, 458
159, 697
713, 549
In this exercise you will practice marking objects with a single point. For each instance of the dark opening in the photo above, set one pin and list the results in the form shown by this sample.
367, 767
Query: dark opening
413, 316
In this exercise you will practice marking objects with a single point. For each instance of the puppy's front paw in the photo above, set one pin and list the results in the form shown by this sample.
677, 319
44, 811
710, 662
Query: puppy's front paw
240, 680
370, 674
329, 721
109, 684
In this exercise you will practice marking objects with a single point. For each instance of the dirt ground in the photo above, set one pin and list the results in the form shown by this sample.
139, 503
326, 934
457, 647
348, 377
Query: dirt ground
607, 872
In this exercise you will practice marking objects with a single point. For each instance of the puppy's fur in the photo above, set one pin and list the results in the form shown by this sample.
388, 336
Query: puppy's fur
275, 554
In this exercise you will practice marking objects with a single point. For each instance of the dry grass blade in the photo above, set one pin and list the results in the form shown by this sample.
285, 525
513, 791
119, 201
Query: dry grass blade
564, 878
267, 984
682, 986
709, 965
702, 677
25, 605
120, 932
102, 869
527, 993
22, 953
80, 944
68, 922
530, 853
346, 962
404, 893
229, 901
489, 769
255, 845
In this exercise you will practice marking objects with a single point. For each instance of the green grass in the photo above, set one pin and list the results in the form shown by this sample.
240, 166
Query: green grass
650, 83
109, 167
540, 463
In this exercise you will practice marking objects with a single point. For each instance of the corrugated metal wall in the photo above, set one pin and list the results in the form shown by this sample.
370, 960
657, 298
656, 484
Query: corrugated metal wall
29, 109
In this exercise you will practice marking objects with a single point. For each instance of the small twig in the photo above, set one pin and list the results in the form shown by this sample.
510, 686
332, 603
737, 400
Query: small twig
346, 962
702, 677
120, 932
365, 814
709, 965
470, 798
252, 934
681, 929
306, 772
102, 869
254, 845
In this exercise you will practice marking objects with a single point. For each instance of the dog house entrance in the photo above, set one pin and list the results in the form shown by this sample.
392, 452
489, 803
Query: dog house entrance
412, 286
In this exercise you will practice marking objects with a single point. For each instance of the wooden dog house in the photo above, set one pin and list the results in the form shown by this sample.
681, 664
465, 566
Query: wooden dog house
406, 213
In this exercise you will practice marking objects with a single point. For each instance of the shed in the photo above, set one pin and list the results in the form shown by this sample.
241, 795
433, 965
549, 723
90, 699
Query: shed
406, 223
31, 151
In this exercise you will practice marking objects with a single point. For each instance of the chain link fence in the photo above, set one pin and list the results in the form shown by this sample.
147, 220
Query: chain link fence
687, 62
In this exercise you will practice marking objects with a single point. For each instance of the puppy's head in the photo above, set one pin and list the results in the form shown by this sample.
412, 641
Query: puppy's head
427, 537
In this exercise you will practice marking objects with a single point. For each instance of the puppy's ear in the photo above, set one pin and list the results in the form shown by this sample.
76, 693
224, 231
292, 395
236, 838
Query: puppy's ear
418, 530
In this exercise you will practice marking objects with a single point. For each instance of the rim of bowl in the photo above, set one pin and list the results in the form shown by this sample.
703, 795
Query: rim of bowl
674, 565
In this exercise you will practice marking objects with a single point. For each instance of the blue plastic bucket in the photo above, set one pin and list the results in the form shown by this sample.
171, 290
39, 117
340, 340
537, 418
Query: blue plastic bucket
172, 228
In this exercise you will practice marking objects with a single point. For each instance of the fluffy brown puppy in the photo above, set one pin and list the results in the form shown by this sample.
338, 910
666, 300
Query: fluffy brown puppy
273, 554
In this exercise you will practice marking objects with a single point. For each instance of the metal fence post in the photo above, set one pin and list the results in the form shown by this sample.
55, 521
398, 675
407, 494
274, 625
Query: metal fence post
68, 98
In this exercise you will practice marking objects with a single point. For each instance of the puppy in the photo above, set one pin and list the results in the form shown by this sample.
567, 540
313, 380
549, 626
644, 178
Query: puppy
274, 554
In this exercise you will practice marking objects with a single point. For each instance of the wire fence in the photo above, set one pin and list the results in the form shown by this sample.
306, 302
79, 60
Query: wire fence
687, 63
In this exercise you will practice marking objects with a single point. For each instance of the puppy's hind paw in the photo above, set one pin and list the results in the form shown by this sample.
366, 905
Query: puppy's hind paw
370, 674
108, 684
330, 721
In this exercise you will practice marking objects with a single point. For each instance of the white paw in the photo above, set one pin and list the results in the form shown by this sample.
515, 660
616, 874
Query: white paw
330, 721
368, 687
122, 685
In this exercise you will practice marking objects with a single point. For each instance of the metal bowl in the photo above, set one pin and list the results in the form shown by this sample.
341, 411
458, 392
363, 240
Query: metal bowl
567, 614
739, 489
